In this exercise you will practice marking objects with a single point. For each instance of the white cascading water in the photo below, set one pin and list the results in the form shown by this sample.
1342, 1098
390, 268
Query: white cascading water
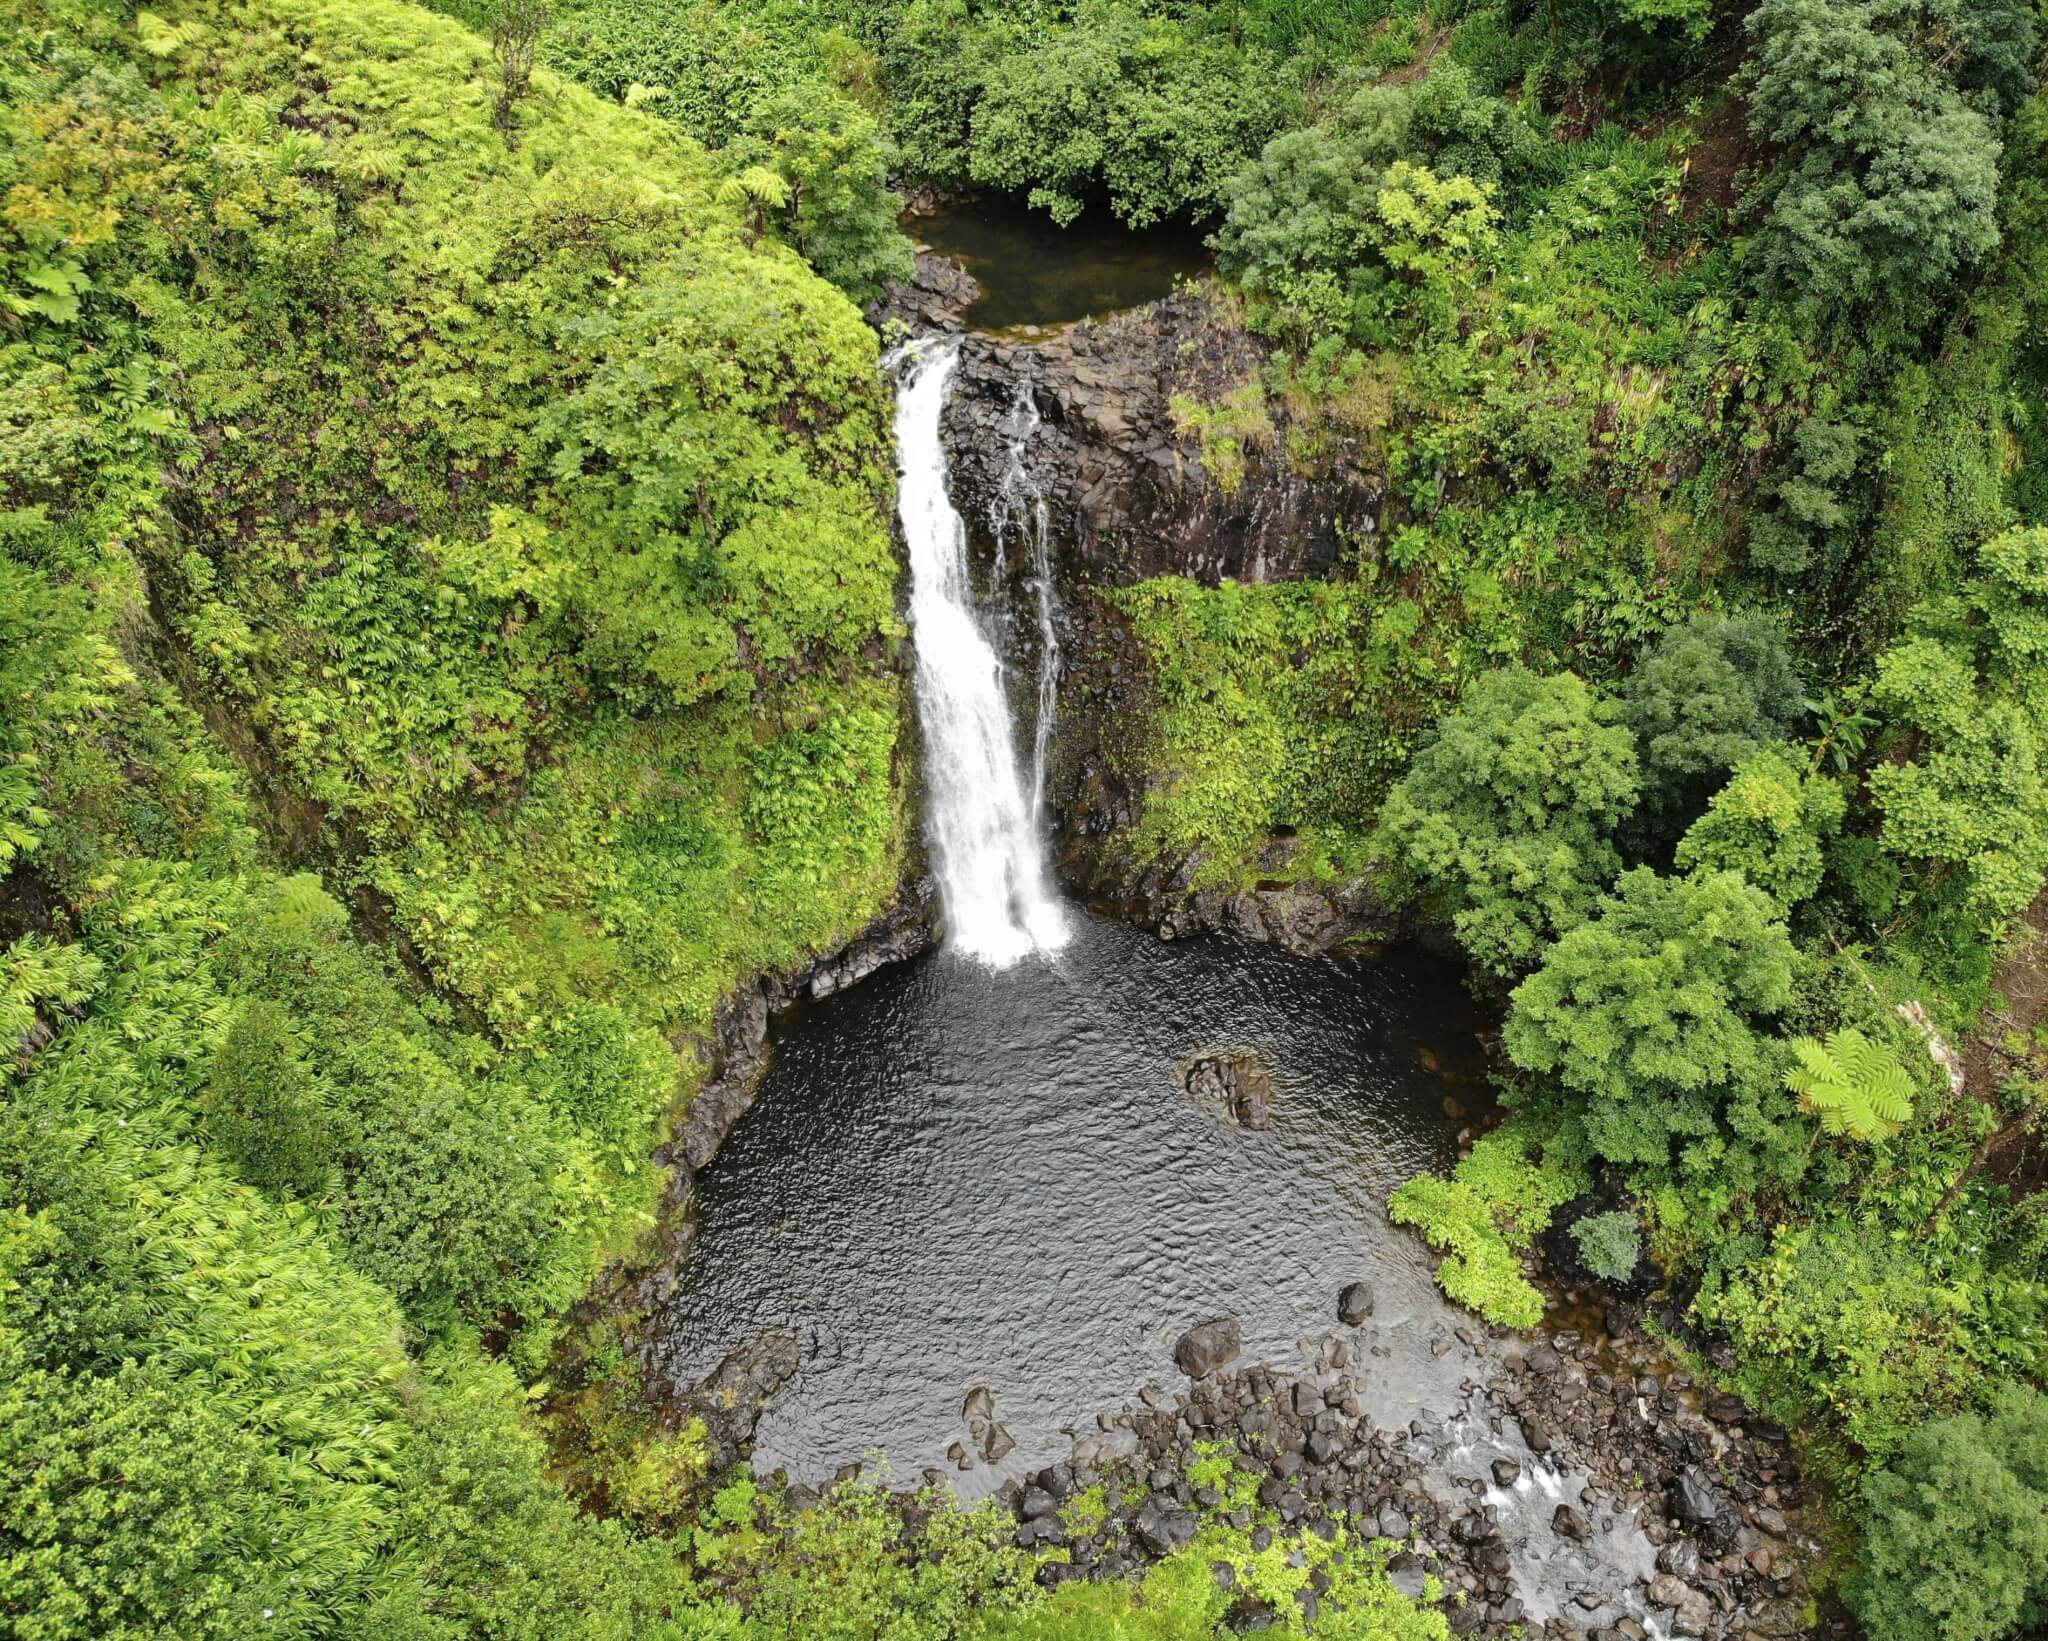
982, 829
1020, 508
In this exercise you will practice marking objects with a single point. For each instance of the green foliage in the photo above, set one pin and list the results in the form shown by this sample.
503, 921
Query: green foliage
1649, 1011
1771, 822
834, 205
1396, 182
1865, 1336
1705, 697
1853, 1085
1504, 817
265, 1111
1497, 1201
1133, 105
1965, 795
1958, 1537
1609, 1243
1889, 184
1264, 719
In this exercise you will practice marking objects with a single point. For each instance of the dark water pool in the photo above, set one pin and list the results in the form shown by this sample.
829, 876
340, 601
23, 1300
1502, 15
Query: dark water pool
953, 1177
1034, 272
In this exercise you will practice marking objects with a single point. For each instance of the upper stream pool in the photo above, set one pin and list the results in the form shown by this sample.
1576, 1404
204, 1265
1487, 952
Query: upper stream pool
1033, 272
954, 1176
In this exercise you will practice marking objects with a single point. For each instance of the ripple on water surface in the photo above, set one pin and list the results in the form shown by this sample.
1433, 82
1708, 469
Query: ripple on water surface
953, 1176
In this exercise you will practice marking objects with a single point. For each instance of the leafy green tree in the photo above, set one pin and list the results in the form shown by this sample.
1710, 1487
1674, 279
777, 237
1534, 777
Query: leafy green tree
1505, 816
1770, 823
1955, 1544
1856, 1087
1809, 496
1124, 105
515, 30
1889, 186
444, 1201
835, 206
1706, 695
760, 188
1392, 182
1649, 1011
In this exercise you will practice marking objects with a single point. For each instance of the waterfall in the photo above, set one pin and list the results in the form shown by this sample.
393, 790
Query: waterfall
1020, 506
982, 829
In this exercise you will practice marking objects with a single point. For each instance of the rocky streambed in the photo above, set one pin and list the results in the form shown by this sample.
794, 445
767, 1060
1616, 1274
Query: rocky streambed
1573, 1491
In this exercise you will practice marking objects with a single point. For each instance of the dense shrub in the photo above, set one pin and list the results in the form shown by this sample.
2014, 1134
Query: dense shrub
1958, 1537
1505, 816
1648, 1011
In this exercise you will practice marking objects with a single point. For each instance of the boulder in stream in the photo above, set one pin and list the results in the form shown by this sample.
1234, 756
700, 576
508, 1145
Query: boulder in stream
1234, 1081
1693, 1497
1356, 1303
1208, 1346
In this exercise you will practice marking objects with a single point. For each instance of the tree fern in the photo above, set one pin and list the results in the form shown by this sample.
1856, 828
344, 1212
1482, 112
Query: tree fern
1853, 1085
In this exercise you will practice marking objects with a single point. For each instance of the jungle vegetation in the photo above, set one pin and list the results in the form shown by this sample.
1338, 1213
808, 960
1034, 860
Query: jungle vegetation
448, 638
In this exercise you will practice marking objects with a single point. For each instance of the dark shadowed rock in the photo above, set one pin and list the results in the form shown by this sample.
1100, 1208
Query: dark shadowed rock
730, 1398
1406, 1572
1693, 1496
1208, 1346
1163, 1527
1128, 489
1355, 1303
1569, 1523
936, 296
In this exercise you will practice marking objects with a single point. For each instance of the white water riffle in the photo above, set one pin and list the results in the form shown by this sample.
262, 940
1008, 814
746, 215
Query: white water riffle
978, 820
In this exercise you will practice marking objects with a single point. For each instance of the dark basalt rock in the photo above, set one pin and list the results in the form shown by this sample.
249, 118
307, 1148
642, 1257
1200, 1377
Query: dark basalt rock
935, 297
1163, 1528
1237, 1082
729, 1399
1128, 490
1693, 1497
1355, 1304
738, 1050
1208, 1346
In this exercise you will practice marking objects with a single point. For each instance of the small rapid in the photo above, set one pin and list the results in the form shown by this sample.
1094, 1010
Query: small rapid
980, 822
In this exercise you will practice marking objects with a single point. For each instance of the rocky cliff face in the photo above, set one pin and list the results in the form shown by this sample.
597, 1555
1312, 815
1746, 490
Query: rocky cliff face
1130, 494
